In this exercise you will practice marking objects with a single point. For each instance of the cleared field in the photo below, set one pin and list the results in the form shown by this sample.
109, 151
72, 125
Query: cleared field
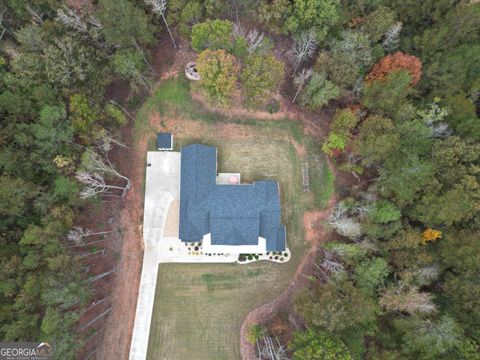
199, 308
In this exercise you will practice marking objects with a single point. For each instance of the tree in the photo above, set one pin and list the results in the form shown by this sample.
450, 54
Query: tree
304, 46
213, 35
52, 130
79, 236
274, 14
344, 223
407, 299
135, 25
300, 79
391, 39
348, 253
460, 203
378, 22
72, 64
389, 97
459, 255
94, 168
261, 75
352, 45
315, 344
341, 69
370, 274
320, 15
384, 211
318, 92
337, 307
431, 235
99, 164
16, 195
218, 74
83, 115
159, 7
395, 62
429, 339
129, 64
51, 135
186, 13
462, 116
403, 177
377, 140
71, 19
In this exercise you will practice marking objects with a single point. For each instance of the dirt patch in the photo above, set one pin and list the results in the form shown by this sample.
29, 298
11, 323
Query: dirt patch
312, 225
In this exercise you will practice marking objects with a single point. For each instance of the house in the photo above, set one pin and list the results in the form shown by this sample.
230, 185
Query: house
225, 215
164, 141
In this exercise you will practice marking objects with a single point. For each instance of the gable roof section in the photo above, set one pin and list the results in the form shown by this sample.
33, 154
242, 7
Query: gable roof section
233, 214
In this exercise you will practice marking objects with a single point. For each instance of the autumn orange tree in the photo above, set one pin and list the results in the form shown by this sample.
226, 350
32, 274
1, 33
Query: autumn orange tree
395, 62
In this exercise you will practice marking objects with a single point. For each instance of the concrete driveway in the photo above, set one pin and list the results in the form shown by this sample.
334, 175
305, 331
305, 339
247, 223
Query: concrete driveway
162, 187
161, 242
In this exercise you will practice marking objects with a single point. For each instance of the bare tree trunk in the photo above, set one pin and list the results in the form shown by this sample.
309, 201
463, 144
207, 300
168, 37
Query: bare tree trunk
122, 108
169, 32
296, 94
103, 287
99, 331
86, 244
95, 303
139, 49
103, 251
91, 354
98, 277
102, 315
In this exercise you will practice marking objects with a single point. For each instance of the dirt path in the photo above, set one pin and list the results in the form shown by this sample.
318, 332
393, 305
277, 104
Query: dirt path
316, 234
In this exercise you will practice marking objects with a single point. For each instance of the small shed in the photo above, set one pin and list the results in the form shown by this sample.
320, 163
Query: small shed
165, 141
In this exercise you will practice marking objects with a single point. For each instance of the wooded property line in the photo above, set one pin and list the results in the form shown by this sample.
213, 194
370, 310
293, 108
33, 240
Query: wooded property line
401, 80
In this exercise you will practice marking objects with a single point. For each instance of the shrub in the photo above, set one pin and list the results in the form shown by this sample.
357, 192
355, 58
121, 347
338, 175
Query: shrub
255, 333
335, 144
273, 106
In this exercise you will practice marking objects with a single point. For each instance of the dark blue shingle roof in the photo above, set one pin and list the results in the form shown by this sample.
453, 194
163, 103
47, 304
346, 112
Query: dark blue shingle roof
233, 214
164, 141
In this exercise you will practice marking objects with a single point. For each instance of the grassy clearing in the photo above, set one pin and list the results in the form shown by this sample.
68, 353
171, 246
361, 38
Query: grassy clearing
199, 308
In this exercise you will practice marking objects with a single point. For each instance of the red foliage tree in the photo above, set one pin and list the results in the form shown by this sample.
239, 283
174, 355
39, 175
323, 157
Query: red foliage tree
395, 62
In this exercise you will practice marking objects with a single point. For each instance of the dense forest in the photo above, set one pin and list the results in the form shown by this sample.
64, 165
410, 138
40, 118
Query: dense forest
401, 280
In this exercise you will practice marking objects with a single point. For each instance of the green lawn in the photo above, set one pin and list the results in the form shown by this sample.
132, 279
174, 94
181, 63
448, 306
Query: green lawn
199, 309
